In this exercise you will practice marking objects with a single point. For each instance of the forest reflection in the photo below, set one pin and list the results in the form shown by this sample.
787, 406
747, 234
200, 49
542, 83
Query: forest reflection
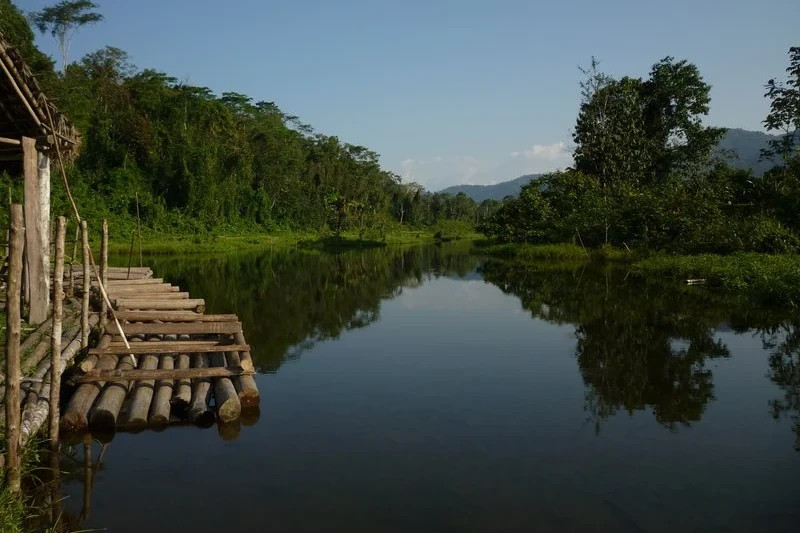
643, 345
640, 345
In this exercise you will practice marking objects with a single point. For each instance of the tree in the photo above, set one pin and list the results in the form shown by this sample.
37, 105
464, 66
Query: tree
644, 131
784, 114
63, 19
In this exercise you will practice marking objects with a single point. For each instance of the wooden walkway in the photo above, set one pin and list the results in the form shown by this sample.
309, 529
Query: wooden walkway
182, 365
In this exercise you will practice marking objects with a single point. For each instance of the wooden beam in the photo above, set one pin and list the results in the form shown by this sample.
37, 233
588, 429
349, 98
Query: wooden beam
162, 373
168, 348
153, 304
36, 236
188, 328
13, 330
6, 140
173, 316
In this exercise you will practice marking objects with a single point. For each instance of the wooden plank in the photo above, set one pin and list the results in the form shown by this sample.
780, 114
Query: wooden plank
173, 316
197, 304
142, 281
162, 296
187, 328
146, 291
138, 374
166, 348
36, 237
13, 329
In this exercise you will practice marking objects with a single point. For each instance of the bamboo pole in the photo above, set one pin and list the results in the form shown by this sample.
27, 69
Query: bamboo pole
86, 288
55, 341
103, 271
13, 318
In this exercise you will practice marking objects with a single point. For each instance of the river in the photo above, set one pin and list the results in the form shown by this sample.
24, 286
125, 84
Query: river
430, 389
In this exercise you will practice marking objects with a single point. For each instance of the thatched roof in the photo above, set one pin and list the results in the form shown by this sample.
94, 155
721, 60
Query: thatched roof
25, 111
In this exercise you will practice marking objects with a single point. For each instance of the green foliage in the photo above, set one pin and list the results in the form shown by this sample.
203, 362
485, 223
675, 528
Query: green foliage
62, 19
645, 176
766, 278
784, 114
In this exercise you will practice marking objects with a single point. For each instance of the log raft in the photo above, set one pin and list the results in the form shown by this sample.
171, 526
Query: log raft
187, 366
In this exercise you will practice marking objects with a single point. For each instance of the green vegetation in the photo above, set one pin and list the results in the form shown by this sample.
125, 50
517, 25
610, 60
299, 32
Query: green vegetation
767, 278
202, 163
646, 176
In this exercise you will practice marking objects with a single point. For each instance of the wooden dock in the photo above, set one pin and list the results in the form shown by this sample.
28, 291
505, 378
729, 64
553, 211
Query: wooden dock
180, 365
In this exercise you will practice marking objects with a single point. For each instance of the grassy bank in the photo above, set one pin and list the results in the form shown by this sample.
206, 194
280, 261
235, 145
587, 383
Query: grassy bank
211, 243
768, 278
551, 252
771, 279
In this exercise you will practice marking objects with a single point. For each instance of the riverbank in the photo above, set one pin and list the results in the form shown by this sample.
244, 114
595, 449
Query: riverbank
153, 244
767, 278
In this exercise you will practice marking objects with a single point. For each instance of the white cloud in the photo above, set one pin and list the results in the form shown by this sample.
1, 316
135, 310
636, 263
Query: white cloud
549, 152
440, 171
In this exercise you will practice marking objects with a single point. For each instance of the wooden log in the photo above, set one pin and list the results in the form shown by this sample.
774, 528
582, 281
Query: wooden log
145, 290
55, 347
173, 316
187, 328
105, 412
75, 418
36, 236
36, 413
182, 393
247, 384
159, 412
226, 400
104, 271
134, 282
197, 305
142, 395
162, 296
13, 319
69, 326
139, 374
199, 411
92, 358
170, 348
86, 293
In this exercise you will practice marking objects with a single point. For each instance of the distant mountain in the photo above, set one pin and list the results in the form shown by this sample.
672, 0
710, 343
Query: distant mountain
746, 149
741, 148
497, 191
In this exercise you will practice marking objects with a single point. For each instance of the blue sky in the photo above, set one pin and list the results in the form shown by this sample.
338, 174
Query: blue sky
448, 92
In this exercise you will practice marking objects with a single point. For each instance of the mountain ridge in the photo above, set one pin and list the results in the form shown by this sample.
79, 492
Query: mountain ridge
739, 147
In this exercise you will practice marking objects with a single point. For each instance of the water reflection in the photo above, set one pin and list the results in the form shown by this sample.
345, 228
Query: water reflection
784, 370
644, 345
289, 300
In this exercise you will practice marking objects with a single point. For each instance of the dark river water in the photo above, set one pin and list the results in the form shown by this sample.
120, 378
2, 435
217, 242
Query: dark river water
432, 390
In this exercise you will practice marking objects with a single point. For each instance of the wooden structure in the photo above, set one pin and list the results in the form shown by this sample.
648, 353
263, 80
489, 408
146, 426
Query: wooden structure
182, 365
32, 131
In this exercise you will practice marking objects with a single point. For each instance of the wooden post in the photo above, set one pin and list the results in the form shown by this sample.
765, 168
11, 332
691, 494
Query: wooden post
103, 272
87, 284
37, 222
55, 340
13, 318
